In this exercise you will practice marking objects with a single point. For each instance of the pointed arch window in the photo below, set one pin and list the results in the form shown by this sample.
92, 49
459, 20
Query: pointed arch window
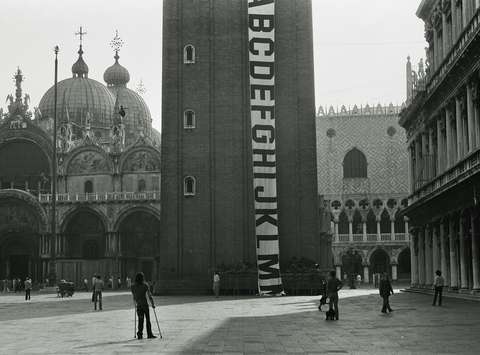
189, 186
189, 54
189, 119
142, 186
354, 164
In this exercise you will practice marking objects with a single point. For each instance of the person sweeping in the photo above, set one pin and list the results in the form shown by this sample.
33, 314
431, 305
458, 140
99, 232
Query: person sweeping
140, 290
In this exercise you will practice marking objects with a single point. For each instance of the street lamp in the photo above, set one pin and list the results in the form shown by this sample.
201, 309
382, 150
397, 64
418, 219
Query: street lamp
53, 267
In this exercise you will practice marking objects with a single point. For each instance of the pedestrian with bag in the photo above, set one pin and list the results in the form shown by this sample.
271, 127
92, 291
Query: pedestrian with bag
140, 291
385, 289
438, 284
97, 292
333, 286
216, 284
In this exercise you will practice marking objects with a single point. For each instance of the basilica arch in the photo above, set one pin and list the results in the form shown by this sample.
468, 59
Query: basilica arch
22, 223
139, 235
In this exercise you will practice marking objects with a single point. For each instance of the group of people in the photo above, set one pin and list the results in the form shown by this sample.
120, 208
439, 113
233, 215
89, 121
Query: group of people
332, 285
17, 285
108, 283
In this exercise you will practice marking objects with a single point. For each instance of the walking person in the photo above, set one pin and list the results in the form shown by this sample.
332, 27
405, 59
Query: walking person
97, 292
438, 284
28, 288
140, 291
333, 286
85, 284
216, 284
385, 288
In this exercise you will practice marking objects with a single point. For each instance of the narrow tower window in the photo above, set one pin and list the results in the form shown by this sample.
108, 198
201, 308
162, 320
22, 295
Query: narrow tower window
189, 54
189, 186
189, 119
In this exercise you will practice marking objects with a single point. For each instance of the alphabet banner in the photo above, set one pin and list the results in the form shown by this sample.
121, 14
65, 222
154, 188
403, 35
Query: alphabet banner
261, 35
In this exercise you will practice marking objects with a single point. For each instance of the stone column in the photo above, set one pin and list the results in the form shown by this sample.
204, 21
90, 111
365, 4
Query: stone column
411, 166
364, 230
366, 275
464, 13
428, 256
453, 6
392, 229
470, 119
424, 167
435, 251
463, 263
453, 254
394, 272
476, 112
431, 152
338, 270
350, 231
443, 252
475, 261
379, 234
418, 162
448, 136
421, 257
458, 120
439, 146
413, 259
445, 43
336, 231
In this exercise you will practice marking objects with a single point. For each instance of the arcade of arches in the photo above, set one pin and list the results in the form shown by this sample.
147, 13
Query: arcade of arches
366, 262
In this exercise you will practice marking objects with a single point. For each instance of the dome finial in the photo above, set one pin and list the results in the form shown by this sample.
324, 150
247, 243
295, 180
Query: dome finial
80, 68
116, 75
116, 43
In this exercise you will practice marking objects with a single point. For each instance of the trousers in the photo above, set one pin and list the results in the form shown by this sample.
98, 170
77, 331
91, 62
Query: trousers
143, 312
438, 293
333, 303
97, 298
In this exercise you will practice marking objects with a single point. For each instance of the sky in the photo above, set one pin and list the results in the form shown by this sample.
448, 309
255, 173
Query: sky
360, 46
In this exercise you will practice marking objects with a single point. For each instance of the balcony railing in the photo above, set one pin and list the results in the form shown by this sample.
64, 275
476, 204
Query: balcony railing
99, 197
465, 168
472, 30
372, 238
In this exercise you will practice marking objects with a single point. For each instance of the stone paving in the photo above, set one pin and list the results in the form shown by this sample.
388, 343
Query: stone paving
248, 325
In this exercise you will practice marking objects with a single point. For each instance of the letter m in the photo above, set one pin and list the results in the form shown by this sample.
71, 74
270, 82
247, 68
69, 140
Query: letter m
268, 267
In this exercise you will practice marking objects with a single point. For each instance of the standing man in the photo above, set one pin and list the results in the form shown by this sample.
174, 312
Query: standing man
85, 284
97, 292
333, 286
438, 284
386, 290
140, 290
216, 284
28, 288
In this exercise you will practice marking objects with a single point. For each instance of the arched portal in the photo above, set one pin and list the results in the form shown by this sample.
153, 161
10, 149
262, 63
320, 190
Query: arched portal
352, 264
20, 228
343, 223
380, 262
404, 264
139, 240
24, 166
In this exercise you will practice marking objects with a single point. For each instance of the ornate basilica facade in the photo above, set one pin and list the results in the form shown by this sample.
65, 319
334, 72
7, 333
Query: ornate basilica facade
362, 179
442, 121
108, 168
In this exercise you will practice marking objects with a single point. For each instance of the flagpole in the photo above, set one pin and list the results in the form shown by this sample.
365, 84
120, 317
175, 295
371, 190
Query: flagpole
53, 266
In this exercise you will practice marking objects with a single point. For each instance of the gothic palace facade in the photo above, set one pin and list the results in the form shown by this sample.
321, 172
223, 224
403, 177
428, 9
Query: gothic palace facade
362, 180
442, 120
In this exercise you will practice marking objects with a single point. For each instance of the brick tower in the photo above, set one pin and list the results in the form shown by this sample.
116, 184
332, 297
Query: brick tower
208, 216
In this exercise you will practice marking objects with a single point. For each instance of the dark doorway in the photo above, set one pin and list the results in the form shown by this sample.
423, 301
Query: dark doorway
147, 268
19, 266
380, 262
404, 264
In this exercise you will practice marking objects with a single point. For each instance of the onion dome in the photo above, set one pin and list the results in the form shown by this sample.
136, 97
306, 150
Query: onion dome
80, 68
116, 75
80, 97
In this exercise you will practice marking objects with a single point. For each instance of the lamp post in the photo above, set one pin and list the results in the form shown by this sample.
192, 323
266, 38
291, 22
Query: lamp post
53, 267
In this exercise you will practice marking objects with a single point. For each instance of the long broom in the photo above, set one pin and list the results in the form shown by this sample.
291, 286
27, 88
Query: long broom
158, 325
134, 321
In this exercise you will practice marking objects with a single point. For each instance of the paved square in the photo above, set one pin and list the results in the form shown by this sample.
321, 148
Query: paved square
204, 325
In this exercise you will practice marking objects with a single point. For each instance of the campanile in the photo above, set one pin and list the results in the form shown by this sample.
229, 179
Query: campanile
208, 207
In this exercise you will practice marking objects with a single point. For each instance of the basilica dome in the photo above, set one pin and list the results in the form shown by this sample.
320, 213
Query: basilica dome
138, 118
80, 98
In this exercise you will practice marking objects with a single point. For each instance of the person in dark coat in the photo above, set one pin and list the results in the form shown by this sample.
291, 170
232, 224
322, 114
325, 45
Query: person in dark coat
140, 291
386, 290
333, 286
